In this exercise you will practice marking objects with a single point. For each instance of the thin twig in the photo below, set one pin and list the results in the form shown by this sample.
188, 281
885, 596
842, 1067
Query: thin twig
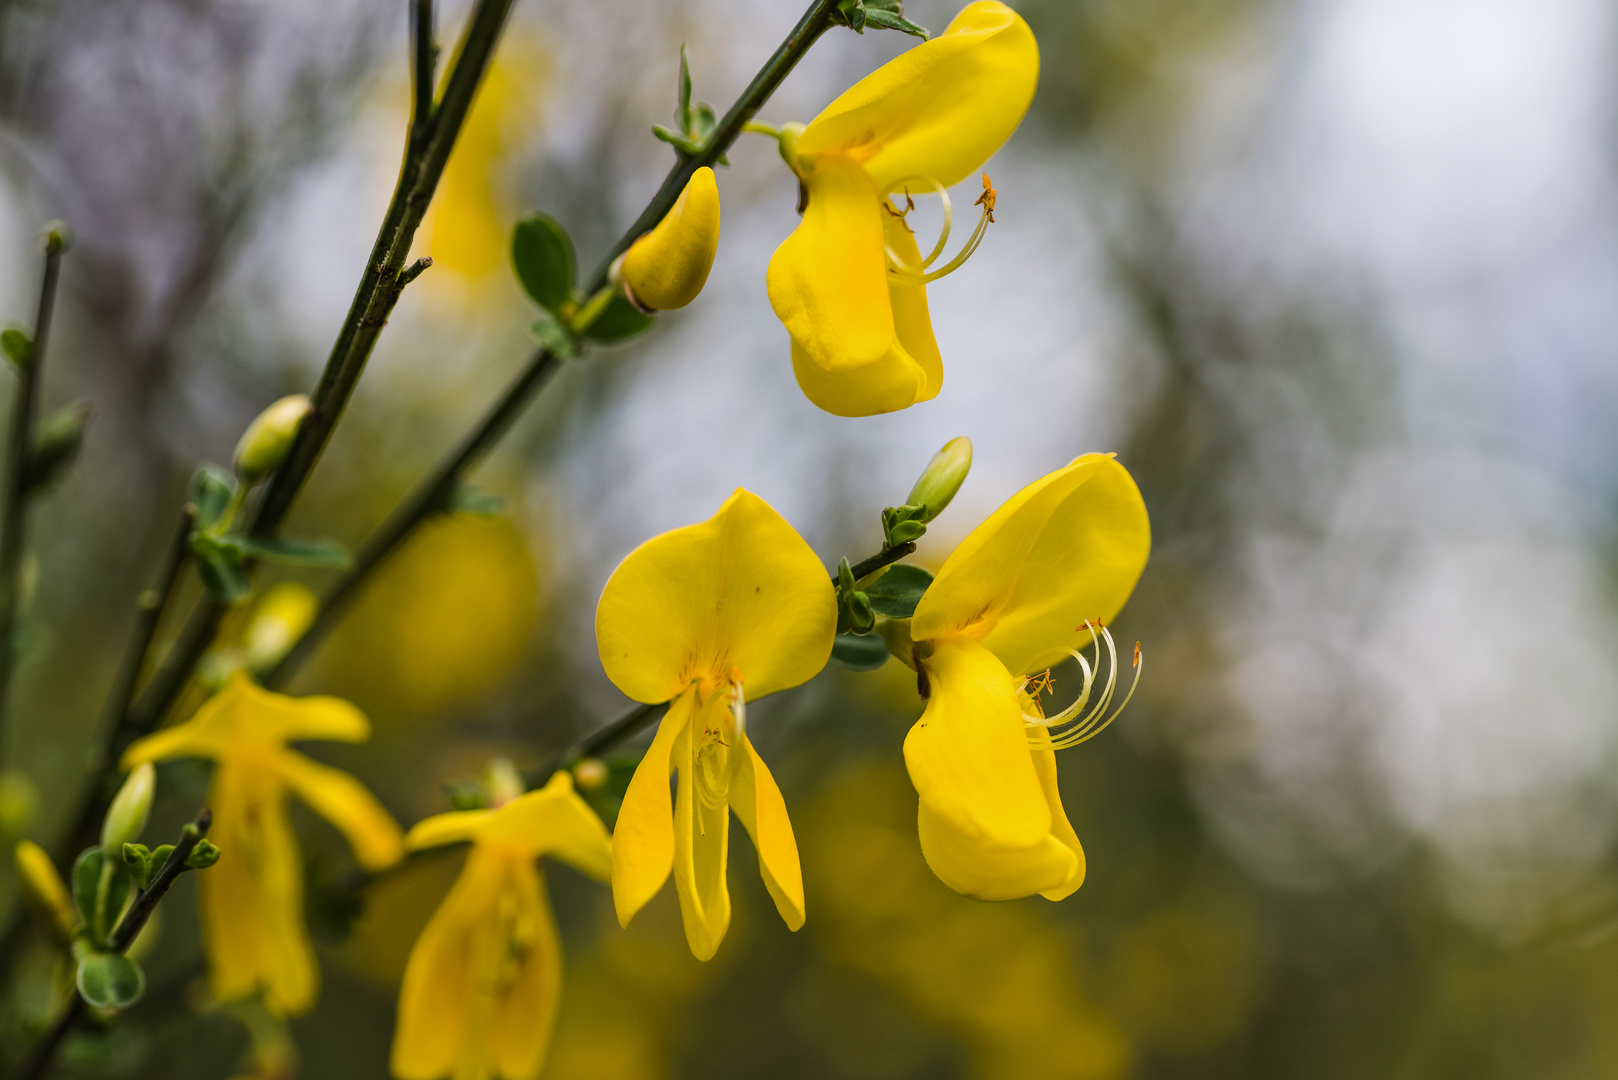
24, 412
866, 567
42, 1053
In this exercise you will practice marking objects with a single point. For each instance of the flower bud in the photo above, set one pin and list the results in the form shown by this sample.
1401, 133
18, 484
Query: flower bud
278, 622
126, 818
265, 443
668, 266
42, 887
942, 478
591, 774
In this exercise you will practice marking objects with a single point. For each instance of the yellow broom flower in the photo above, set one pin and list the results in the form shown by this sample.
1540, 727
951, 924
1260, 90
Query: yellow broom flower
706, 617
481, 988
1031, 585
667, 268
252, 900
850, 282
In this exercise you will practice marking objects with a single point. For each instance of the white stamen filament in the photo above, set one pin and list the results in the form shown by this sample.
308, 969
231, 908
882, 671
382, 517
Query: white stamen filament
1081, 721
904, 274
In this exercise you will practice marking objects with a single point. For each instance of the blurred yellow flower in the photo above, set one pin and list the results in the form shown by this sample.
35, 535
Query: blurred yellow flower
481, 988
1044, 573
252, 900
705, 617
668, 267
850, 282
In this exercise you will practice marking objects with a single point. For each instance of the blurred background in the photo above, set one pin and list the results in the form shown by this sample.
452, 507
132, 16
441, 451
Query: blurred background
1335, 280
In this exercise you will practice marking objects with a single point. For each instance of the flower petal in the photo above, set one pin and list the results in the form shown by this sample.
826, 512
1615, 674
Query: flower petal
828, 281
347, 804
1066, 548
891, 382
939, 110
643, 836
911, 320
523, 1020
555, 821
763, 813
453, 828
1061, 829
441, 988
701, 849
984, 820
251, 901
739, 591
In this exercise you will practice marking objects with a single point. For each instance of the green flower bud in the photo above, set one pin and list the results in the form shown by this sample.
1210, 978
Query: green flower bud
942, 478
265, 443
126, 818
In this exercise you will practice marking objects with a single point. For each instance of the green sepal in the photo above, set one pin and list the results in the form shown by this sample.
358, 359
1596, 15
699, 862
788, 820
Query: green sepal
550, 330
859, 652
543, 257
471, 499
56, 445
618, 321
896, 593
204, 855
293, 551
18, 347
210, 492
108, 980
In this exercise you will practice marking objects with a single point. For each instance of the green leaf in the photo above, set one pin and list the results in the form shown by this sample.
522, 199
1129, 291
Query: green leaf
892, 20
620, 320
295, 551
543, 256
471, 499
682, 110
109, 981
57, 440
18, 346
210, 492
851, 13
221, 575
897, 592
685, 144
86, 880
204, 855
100, 910
549, 329
859, 652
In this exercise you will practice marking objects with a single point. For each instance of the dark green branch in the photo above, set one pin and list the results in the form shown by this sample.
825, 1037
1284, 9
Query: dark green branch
866, 567
15, 494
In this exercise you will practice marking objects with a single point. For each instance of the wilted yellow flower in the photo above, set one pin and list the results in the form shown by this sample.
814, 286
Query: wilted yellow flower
850, 282
1030, 585
705, 617
252, 900
667, 267
481, 988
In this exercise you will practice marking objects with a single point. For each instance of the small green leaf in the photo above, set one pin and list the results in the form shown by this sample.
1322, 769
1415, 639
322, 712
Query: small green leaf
620, 320
682, 109
86, 880
139, 859
57, 440
295, 551
471, 499
221, 575
109, 981
896, 593
18, 346
204, 855
851, 13
888, 20
685, 144
859, 652
549, 329
210, 492
160, 855
543, 257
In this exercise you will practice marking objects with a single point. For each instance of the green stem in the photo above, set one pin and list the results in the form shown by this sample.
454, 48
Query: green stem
592, 309
756, 127
24, 411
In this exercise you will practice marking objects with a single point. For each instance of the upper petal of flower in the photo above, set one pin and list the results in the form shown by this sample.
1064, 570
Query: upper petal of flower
740, 591
554, 821
345, 802
1066, 548
455, 827
828, 281
939, 110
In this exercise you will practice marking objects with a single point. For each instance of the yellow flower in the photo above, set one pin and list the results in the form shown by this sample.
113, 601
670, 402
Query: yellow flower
480, 991
252, 900
1041, 577
667, 267
850, 282
709, 615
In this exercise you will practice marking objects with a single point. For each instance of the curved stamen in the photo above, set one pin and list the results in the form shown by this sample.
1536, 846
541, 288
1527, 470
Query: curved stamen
919, 274
1080, 721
